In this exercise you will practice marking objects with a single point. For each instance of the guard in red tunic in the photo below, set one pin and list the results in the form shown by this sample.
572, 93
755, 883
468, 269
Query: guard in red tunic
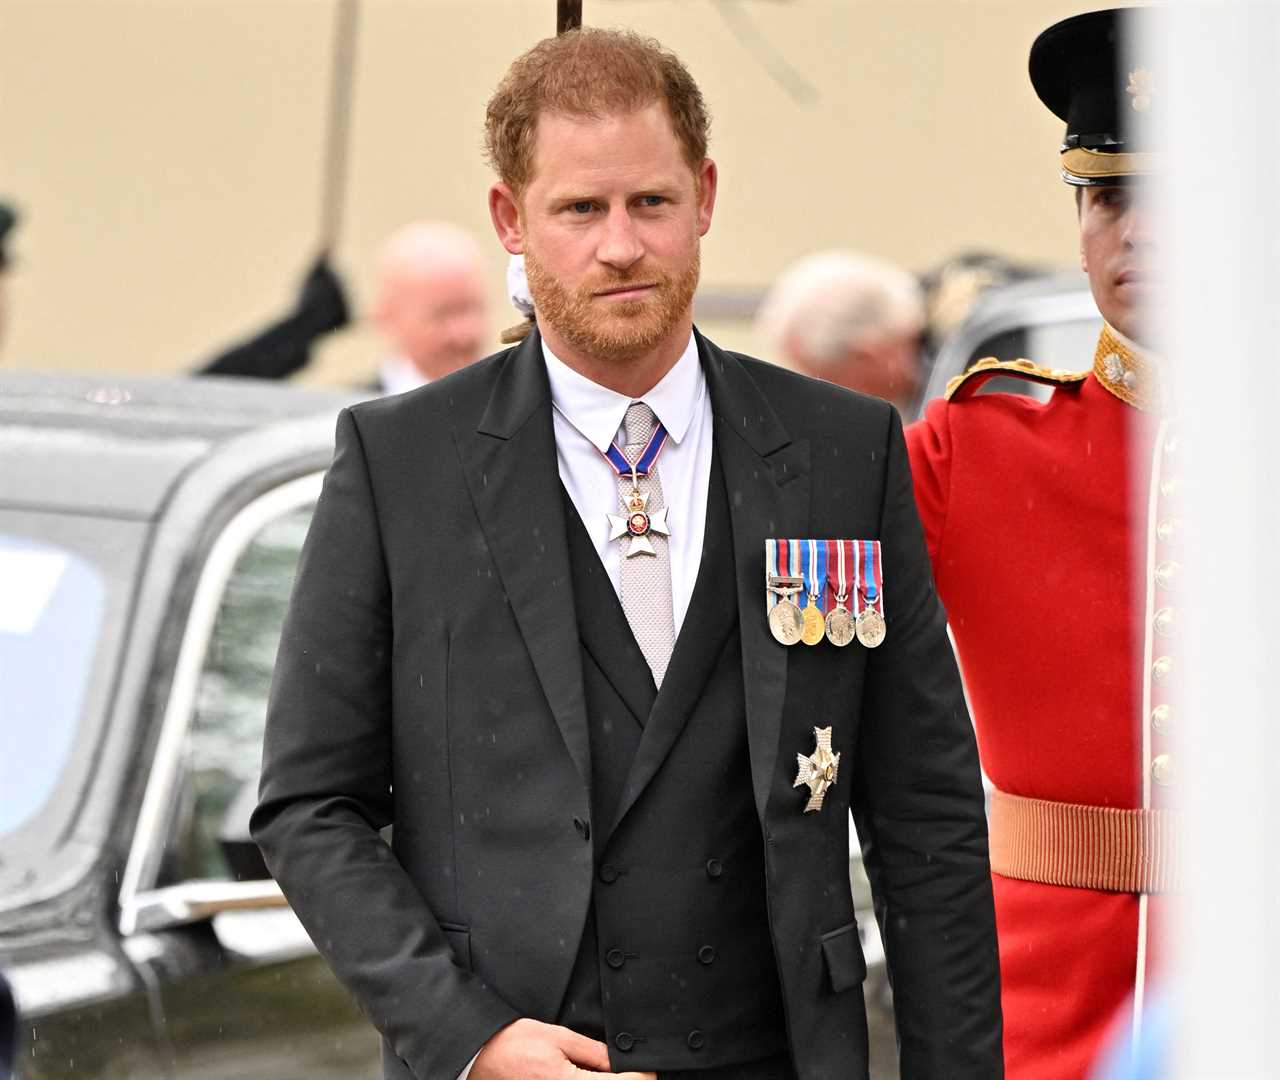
1055, 547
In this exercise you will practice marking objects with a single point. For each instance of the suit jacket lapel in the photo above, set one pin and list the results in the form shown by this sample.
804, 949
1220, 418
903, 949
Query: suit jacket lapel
510, 466
766, 475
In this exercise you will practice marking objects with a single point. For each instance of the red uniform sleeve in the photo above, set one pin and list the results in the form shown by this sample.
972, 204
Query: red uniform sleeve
929, 448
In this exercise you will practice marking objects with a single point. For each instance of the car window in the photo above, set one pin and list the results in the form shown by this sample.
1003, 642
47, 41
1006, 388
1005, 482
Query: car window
224, 748
51, 609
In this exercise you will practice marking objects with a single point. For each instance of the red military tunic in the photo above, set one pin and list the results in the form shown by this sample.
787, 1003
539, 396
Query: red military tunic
1046, 534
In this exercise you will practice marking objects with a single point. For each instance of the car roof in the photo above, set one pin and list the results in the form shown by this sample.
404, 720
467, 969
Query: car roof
116, 445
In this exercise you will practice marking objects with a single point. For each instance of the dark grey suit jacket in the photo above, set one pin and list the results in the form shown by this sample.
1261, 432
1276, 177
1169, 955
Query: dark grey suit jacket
430, 675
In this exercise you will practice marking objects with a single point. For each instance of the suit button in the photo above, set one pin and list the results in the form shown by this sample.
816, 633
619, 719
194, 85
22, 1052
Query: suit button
1167, 530
615, 958
1164, 622
696, 1040
583, 827
714, 868
1162, 669
624, 1041
609, 873
707, 954
1162, 770
1161, 719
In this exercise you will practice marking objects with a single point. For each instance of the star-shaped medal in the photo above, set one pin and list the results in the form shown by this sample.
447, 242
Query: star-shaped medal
819, 770
638, 523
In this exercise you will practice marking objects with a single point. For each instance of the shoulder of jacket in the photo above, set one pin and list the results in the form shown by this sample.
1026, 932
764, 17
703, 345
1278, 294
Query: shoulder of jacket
967, 384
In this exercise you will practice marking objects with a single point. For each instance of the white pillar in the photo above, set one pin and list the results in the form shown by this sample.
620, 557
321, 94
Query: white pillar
1219, 229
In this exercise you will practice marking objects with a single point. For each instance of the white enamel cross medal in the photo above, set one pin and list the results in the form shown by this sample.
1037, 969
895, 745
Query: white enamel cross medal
638, 522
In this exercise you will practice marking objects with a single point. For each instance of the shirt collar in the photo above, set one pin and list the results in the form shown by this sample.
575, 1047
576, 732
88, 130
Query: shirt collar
597, 412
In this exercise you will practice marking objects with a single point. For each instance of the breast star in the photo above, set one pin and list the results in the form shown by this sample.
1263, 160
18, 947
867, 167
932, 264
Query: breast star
819, 770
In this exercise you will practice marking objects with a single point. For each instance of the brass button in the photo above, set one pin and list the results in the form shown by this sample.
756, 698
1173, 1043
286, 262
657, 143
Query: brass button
1162, 719
1169, 486
1167, 574
1167, 530
1162, 669
1164, 622
1162, 770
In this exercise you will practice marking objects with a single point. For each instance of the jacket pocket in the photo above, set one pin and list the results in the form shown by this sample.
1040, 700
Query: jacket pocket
842, 951
459, 938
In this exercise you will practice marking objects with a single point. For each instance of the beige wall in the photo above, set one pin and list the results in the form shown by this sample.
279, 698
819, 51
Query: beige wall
166, 153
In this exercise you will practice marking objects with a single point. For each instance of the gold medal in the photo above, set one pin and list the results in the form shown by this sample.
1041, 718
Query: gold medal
870, 627
839, 625
785, 622
814, 624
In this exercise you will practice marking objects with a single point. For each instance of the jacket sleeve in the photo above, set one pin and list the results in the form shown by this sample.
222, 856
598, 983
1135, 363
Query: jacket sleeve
326, 791
929, 449
919, 809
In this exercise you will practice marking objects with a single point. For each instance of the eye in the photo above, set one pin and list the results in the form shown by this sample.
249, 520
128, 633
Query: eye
582, 206
652, 200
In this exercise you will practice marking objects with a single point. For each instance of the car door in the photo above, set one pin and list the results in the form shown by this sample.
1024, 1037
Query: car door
243, 991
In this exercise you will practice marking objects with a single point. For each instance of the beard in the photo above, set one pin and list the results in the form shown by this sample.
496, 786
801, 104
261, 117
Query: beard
624, 330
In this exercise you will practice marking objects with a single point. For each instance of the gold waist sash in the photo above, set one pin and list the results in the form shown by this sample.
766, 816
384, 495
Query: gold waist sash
1087, 847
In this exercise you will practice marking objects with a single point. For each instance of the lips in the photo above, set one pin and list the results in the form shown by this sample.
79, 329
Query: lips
628, 290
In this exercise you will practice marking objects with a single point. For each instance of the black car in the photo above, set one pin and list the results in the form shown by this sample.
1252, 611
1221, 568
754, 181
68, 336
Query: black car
1050, 320
148, 536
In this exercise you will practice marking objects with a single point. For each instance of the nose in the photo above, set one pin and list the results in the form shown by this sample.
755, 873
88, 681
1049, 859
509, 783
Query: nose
1137, 226
620, 245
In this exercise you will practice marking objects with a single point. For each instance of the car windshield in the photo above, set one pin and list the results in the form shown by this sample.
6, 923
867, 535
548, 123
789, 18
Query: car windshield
65, 583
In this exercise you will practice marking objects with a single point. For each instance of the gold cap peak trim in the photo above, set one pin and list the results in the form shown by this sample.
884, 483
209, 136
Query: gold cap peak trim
1098, 164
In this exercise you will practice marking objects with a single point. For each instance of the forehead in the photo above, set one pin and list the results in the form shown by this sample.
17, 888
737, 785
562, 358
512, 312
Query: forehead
617, 147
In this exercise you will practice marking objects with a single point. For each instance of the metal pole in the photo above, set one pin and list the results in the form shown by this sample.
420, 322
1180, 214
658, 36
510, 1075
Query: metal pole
338, 127
568, 15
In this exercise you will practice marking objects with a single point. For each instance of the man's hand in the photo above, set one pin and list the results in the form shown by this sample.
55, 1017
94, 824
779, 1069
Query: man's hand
529, 1050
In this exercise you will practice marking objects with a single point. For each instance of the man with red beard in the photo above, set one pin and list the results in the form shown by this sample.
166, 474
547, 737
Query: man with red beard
1053, 532
532, 630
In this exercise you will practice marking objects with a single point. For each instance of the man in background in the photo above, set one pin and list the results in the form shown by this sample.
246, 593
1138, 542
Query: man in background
852, 320
430, 307
8, 219
1054, 534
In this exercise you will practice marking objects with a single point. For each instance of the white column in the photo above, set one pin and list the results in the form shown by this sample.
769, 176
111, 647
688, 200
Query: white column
1219, 231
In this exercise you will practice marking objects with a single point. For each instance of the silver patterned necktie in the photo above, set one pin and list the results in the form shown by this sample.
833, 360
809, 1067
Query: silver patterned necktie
645, 578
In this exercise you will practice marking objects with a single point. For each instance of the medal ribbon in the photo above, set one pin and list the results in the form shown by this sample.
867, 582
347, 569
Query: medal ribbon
771, 571
870, 583
815, 573
646, 460
840, 562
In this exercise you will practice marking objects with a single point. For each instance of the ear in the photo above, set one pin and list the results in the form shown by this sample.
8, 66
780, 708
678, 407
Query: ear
707, 177
504, 211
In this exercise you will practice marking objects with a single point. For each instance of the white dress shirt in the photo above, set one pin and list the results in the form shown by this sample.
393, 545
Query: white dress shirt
588, 417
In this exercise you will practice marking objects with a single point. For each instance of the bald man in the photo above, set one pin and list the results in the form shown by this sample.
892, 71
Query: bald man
849, 319
431, 306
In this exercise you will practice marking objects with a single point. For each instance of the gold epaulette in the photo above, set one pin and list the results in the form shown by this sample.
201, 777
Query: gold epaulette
983, 370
